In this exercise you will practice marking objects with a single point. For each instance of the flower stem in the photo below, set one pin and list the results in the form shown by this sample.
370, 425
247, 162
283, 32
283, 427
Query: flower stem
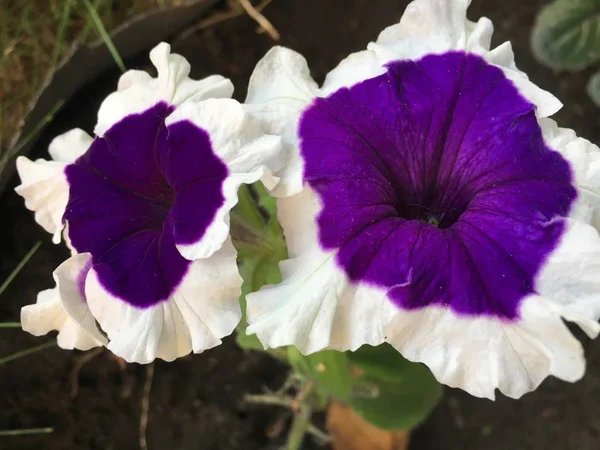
300, 427
274, 400
10, 325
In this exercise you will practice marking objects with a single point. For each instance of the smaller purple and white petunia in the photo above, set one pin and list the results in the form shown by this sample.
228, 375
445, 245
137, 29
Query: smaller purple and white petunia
145, 206
430, 203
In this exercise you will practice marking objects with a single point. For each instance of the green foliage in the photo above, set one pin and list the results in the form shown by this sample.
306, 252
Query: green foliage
593, 88
101, 29
391, 392
329, 369
566, 35
256, 271
388, 390
260, 248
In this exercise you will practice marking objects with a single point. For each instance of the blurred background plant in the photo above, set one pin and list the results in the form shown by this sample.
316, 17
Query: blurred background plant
566, 37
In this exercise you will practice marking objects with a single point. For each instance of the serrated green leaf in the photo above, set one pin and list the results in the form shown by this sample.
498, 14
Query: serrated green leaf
593, 88
566, 35
401, 393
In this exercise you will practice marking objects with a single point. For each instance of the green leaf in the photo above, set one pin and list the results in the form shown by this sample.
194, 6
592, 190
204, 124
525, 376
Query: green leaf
259, 256
593, 88
101, 29
566, 35
383, 361
332, 372
299, 362
401, 393
256, 272
329, 369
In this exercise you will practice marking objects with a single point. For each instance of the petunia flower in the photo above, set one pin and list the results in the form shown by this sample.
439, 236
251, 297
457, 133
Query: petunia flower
430, 203
146, 207
72, 318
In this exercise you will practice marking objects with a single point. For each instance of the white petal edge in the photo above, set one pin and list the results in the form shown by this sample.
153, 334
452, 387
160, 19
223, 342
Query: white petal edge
584, 158
43, 183
138, 92
45, 190
280, 88
69, 146
353, 69
70, 281
569, 278
239, 142
482, 354
316, 307
203, 309
437, 26
427, 26
48, 314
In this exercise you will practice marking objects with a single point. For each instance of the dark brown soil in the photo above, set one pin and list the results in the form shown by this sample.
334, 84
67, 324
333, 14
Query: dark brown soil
196, 402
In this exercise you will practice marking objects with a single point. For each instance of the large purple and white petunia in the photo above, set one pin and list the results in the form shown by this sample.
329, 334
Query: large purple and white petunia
430, 203
146, 207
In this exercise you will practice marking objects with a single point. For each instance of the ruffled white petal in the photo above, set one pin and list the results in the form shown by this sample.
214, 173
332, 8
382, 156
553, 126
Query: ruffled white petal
584, 158
503, 57
353, 69
69, 146
203, 309
49, 314
280, 88
569, 278
315, 307
70, 281
482, 354
438, 26
43, 183
46, 192
138, 92
427, 26
239, 142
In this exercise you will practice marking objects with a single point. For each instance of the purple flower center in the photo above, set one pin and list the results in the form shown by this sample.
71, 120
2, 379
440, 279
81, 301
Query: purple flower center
135, 194
437, 185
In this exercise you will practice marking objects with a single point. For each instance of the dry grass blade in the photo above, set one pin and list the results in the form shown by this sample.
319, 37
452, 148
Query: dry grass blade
29, 351
26, 431
222, 17
25, 140
20, 266
260, 19
104, 34
62, 27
